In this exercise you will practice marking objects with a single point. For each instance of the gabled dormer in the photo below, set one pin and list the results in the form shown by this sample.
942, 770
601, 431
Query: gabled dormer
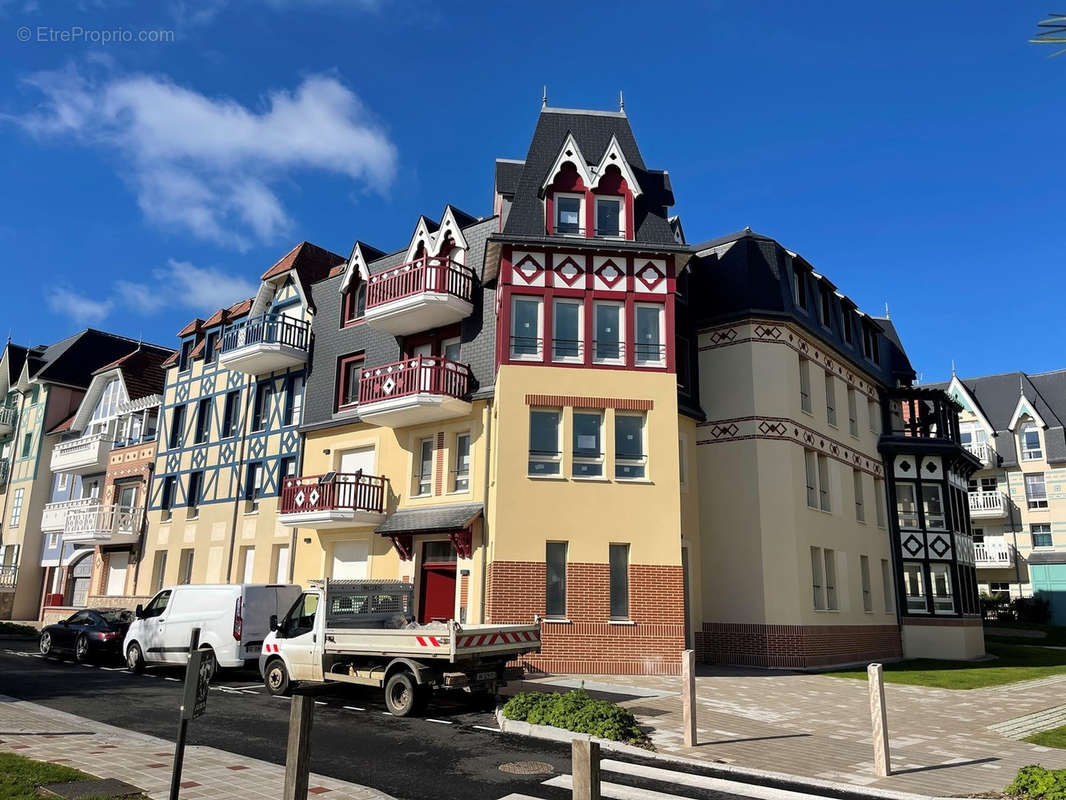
354, 282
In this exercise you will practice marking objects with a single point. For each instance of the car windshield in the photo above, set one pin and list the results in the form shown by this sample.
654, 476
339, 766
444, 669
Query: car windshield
117, 615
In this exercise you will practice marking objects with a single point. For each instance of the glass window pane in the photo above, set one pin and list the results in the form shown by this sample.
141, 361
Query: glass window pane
555, 556
914, 583
906, 505
544, 442
629, 446
525, 327
932, 503
568, 214
608, 332
608, 216
940, 581
619, 558
566, 342
648, 343
588, 452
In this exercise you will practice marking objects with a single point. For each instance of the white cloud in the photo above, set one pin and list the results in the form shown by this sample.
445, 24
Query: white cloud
209, 165
82, 309
179, 283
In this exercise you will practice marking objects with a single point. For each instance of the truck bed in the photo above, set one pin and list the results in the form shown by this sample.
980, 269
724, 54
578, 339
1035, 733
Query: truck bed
455, 643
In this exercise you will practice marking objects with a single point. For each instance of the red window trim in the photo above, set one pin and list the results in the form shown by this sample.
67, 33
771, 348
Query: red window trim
344, 364
348, 318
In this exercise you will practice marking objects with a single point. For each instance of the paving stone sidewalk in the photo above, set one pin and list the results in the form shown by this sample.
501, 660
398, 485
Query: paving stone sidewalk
45, 734
819, 726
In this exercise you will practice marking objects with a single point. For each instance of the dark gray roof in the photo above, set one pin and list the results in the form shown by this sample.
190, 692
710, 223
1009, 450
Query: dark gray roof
592, 131
1048, 557
72, 361
431, 518
507, 174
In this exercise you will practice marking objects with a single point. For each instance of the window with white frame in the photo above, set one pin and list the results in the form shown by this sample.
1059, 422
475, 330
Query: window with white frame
16, 508
823, 483
914, 583
253, 486
609, 332
568, 216
810, 462
817, 578
449, 348
853, 411
567, 330
630, 459
860, 509
588, 444
106, 409
545, 450
933, 505
864, 576
805, 384
648, 341
610, 216
1040, 533
462, 463
907, 504
526, 327
1030, 439
879, 501
1035, 491
424, 467
940, 583
887, 587
830, 399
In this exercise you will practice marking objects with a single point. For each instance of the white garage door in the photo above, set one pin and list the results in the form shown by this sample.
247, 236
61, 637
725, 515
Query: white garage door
349, 560
116, 573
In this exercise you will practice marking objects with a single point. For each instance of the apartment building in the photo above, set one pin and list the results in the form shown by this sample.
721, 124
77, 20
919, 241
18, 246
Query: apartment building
101, 469
228, 434
1014, 424
41, 387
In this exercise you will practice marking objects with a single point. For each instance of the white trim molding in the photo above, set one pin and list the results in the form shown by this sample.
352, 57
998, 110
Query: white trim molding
613, 155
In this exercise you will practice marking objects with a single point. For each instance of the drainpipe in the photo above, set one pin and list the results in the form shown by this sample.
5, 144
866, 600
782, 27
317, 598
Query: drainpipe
240, 461
1014, 534
485, 514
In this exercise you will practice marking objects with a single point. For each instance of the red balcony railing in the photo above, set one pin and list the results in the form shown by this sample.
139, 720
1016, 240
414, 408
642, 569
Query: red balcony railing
334, 491
428, 274
416, 375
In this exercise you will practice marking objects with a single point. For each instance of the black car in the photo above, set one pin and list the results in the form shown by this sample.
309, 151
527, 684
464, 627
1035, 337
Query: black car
94, 632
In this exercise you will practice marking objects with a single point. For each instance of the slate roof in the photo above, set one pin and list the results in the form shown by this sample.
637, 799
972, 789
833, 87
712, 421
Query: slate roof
592, 131
454, 517
142, 371
74, 361
508, 171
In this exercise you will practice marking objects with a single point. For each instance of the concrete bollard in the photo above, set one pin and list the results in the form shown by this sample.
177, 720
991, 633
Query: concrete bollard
585, 768
879, 721
298, 753
688, 696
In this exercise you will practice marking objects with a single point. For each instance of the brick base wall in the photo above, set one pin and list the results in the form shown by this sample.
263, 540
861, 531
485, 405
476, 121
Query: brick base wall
588, 643
795, 645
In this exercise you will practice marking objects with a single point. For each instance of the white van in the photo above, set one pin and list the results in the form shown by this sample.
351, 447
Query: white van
233, 619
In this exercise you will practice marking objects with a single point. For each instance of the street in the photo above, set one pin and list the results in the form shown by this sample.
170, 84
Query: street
450, 753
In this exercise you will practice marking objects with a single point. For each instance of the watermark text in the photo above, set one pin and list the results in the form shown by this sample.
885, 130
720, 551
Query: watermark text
76, 34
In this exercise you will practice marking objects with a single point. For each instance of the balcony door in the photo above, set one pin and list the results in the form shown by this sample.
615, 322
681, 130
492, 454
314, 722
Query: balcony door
117, 564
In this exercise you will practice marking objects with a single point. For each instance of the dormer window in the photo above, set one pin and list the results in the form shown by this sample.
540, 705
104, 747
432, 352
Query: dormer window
1030, 436
186, 350
568, 214
354, 304
609, 216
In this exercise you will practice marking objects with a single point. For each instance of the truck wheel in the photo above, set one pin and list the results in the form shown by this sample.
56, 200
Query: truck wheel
135, 658
401, 693
276, 678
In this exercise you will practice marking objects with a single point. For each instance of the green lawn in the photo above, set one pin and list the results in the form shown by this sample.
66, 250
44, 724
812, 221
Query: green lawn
20, 777
1005, 632
1013, 663
1056, 737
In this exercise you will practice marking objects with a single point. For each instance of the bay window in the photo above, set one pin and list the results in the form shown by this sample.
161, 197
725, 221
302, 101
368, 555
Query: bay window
568, 213
567, 330
610, 336
933, 505
526, 331
629, 458
545, 453
650, 334
609, 216
588, 444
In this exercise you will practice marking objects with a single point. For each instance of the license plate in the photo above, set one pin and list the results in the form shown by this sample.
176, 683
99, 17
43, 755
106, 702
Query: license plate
486, 676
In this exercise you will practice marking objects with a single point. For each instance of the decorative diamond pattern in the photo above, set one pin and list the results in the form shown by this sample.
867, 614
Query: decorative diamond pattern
528, 269
388, 385
568, 271
718, 431
650, 276
717, 337
610, 274
912, 544
767, 332
939, 546
299, 498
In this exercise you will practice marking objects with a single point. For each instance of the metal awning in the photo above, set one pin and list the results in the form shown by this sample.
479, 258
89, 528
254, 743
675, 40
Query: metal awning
1050, 557
430, 519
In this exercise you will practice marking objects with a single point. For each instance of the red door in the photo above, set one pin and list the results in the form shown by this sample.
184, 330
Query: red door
437, 600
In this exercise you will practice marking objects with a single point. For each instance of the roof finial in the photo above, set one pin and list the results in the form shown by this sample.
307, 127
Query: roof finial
1021, 389
953, 368
544, 97
887, 316
621, 102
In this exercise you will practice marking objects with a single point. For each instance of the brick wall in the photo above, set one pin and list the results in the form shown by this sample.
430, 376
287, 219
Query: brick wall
589, 643
795, 645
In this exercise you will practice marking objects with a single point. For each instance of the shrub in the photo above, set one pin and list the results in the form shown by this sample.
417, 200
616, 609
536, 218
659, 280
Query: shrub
1032, 610
1036, 783
579, 712
10, 628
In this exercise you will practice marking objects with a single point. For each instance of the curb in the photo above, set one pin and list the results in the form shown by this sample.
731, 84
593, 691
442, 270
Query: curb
751, 775
19, 637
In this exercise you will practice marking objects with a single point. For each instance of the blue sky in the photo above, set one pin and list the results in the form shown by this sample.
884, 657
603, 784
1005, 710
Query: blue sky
906, 149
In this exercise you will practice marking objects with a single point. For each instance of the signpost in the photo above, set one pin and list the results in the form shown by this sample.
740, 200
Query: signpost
193, 704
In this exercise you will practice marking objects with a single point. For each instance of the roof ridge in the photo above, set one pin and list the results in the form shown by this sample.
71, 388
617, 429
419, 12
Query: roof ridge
590, 111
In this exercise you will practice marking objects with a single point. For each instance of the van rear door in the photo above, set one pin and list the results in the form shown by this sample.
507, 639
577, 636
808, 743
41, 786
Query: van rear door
260, 603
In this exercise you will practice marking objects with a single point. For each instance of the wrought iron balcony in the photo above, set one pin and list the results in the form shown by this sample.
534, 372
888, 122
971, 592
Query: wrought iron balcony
83, 456
265, 343
983, 451
419, 295
333, 500
413, 391
8, 418
987, 505
104, 523
993, 553
8, 576
54, 517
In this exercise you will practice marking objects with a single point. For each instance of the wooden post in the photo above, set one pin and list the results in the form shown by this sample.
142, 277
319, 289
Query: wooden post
879, 721
688, 696
585, 768
298, 752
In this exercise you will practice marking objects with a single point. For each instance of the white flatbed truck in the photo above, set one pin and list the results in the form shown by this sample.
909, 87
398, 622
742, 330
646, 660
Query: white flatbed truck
361, 632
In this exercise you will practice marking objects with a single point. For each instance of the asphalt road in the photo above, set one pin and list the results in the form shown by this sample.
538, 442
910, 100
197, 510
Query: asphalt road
451, 753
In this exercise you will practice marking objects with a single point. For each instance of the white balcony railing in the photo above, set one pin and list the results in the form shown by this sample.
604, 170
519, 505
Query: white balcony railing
54, 517
984, 451
84, 455
102, 522
8, 416
987, 504
991, 553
